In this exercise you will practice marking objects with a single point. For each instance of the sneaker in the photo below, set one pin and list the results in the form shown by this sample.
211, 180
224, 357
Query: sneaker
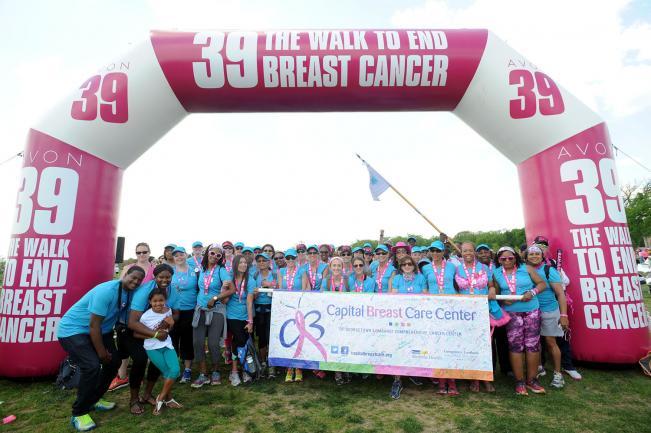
573, 374
200, 381
272, 372
319, 373
83, 423
443, 387
289, 377
215, 378
535, 387
396, 389
520, 389
558, 381
234, 377
339, 380
118, 383
263, 370
541, 372
365, 376
452, 388
187, 376
246, 377
415, 380
298, 375
103, 405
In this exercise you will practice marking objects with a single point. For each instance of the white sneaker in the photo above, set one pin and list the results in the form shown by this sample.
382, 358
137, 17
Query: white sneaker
541, 371
573, 374
558, 381
246, 377
234, 378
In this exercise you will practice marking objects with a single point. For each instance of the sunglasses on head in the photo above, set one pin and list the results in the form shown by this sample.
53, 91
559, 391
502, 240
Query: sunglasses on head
142, 252
507, 259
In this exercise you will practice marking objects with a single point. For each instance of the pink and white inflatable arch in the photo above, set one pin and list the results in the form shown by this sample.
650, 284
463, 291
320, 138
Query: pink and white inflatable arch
64, 231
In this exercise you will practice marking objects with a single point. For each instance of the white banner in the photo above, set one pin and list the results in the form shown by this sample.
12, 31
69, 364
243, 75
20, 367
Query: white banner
411, 335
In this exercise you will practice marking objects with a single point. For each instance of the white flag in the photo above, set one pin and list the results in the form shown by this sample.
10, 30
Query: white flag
377, 183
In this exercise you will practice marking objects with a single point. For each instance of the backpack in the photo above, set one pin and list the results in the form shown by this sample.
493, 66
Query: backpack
253, 366
69, 374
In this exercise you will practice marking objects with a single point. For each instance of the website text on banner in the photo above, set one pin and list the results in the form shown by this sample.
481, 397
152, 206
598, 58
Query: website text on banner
429, 335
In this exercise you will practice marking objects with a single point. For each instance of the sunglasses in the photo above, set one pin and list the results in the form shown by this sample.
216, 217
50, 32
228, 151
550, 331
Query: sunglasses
345, 254
435, 250
279, 258
228, 248
381, 254
312, 253
239, 248
288, 258
300, 251
212, 253
141, 252
507, 259
358, 266
407, 264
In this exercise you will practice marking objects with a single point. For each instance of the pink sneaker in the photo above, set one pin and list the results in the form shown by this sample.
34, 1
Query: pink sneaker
535, 387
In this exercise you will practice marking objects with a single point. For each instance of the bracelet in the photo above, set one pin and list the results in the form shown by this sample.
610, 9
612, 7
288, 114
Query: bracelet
249, 321
563, 315
155, 334
533, 292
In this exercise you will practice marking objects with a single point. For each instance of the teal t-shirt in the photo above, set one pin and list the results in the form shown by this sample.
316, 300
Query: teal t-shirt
184, 284
523, 284
447, 274
413, 286
368, 285
383, 285
314, 279
140, 301
210, 284
297, 280
236, 307
256, 280
547, 298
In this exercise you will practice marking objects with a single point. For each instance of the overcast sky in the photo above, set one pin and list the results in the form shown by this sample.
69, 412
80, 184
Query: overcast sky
283, 178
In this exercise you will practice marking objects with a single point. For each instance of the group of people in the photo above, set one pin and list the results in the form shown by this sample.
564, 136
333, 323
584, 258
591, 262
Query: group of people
160, 311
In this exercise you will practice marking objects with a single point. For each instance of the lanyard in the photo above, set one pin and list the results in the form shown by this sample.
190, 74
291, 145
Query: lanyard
313, 276
440, 276
241, 289
511, 282
359, 287
207, 279
380, 276
334, 288
229, 264
471, 278
411, 280
289, 278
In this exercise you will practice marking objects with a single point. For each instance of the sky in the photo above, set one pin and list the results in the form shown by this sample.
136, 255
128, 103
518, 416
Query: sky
289, 177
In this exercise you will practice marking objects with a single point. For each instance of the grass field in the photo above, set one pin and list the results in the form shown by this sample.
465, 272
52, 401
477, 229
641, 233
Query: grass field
606, 400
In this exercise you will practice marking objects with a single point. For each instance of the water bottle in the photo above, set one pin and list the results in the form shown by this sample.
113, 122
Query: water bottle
250, 364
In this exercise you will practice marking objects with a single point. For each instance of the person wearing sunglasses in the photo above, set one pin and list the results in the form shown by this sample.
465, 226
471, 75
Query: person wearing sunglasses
291, 278
239, 315
335, 281
399, 250
239, 246
229, 254
313, 270
358, 252
523, 330
209, 319
269, 250
346, 254
279, 260
382, 269
121, 380
263, 277
360, 280
301, 255
184, 283
408, 282
472, 278
553, 310
197, 256
135, 345
440, 273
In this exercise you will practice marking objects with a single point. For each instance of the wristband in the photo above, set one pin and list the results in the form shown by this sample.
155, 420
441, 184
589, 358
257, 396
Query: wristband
533, 292
155, 334
563, 315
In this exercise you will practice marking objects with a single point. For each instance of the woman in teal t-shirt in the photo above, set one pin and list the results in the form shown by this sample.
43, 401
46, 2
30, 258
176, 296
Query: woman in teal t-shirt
523, 330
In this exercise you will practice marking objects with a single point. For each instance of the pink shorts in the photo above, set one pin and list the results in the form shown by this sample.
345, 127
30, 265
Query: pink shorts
523, 331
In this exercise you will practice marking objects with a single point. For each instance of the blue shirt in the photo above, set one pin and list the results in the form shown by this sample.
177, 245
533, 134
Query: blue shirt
256, 280
101, 300
192, 262
327, 287
523, 284
368, 286
547, 298
481, 274
140, 301
219, 276
414, 286
448, 279
318, 277
184, 284
236, 306
384, 288
298, 279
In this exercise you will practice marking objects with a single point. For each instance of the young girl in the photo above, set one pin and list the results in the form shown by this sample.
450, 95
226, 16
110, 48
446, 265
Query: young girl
161, 353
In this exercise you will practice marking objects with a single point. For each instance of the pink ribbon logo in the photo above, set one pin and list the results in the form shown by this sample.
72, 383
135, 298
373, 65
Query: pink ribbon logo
304, 333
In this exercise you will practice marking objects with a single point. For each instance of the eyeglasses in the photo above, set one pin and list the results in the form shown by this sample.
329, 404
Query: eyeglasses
141, 252
300, 251
288, 258
212, 253
381, 254
359, 265
407, 264
345, 254
312, 253
507, 259
279, 258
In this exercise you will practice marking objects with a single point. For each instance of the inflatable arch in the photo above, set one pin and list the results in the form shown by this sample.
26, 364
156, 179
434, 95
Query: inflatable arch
67, 204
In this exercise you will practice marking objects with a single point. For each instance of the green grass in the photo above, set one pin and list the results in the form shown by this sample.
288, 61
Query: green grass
607, 400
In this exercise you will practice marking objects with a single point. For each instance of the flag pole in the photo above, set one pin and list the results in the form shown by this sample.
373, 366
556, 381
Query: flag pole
415, 208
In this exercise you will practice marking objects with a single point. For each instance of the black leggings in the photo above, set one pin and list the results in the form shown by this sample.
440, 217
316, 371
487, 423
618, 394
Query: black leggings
262, 322
134, 348
240, 336
182, 335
